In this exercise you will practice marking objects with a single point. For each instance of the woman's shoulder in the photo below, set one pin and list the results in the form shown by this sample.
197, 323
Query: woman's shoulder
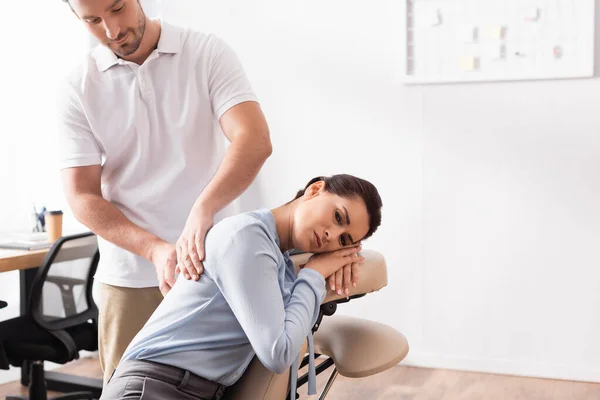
243, 237
254, 227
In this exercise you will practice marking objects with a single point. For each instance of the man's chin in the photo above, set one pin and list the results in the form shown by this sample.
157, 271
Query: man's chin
124, 51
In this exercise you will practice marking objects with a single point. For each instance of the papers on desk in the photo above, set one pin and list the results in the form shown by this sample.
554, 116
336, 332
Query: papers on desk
26, 241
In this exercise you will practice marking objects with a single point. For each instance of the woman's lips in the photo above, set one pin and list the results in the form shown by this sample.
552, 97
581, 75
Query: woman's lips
317, 239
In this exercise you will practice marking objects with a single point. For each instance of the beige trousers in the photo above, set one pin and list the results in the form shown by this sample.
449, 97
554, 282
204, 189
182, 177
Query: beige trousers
123, 312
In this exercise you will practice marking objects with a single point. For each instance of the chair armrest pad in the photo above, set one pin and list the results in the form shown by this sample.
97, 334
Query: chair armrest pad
372, 274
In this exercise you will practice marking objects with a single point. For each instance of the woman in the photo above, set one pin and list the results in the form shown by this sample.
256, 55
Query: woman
249, 300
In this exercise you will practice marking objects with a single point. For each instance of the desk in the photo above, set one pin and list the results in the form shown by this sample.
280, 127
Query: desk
27, 263
12, 260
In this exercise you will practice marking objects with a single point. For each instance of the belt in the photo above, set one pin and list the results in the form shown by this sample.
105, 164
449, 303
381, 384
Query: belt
184, 380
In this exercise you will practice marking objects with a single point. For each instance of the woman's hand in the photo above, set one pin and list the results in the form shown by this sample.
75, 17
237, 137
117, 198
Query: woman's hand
327, 264
343, 278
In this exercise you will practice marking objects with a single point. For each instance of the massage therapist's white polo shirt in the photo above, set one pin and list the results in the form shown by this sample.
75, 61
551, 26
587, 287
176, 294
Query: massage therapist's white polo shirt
154, 129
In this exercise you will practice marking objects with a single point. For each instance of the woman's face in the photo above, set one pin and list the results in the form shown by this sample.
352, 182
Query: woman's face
328, 222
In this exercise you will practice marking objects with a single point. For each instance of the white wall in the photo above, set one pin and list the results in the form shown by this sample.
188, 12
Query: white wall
490, 191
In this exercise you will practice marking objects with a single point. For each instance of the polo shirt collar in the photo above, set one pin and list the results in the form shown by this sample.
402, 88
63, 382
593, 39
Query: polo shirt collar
170, 42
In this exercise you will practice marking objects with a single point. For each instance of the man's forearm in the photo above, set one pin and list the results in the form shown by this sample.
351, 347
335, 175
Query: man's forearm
242, 162
108, 222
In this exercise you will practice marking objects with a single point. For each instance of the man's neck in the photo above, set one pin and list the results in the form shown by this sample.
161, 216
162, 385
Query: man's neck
148, 44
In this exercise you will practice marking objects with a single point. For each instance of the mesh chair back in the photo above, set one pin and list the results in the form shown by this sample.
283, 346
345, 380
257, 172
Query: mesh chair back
61, 294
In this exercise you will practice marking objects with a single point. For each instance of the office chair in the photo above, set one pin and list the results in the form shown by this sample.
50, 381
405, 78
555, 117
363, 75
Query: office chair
61, 319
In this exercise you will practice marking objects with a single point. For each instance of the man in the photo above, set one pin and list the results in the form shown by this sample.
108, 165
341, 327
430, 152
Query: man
141, 163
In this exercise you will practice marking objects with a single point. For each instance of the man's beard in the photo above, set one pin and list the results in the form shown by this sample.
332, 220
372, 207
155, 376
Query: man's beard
133, 44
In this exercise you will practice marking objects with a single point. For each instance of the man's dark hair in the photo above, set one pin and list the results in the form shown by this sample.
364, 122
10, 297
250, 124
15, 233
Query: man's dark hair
349, 186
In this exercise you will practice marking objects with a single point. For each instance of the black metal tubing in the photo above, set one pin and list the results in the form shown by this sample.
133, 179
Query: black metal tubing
26, 277
319, 369
304, 362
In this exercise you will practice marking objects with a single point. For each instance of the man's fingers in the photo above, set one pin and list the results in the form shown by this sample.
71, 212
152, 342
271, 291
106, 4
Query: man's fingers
200, 237
201, 254
339, 275
183, 271
188, 265
183, 263
169, 274
347, 278
195, 264
163, 286
178, 250
193, 254
164, 289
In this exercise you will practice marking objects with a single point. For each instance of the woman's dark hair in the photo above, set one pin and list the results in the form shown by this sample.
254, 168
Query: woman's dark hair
349, 186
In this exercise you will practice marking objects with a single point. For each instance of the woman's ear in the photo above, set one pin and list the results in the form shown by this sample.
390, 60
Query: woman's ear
314, 189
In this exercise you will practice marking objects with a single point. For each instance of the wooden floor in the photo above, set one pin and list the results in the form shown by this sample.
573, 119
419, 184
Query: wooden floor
408, 383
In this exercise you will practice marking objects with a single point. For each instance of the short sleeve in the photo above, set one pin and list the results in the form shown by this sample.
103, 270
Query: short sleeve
77, 145
228, 84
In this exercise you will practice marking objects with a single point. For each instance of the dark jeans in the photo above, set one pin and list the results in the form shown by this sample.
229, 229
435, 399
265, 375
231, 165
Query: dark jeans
146, 380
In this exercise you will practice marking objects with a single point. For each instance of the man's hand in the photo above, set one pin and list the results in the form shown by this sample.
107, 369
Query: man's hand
164, 258
190, 245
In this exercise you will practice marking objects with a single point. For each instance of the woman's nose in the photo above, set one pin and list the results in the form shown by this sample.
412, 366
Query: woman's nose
332, 233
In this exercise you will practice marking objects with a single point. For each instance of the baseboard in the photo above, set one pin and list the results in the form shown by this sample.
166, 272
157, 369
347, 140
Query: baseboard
504, 367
